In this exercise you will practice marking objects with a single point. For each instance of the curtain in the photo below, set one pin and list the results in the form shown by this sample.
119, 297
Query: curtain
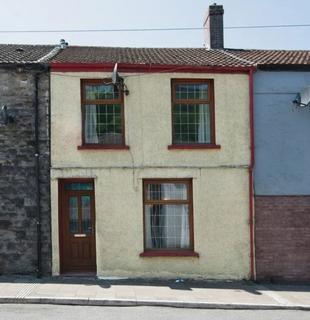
204, 124
184, 239
91, 135
148, 227
175, 231
167, 225
176, 228
154, 219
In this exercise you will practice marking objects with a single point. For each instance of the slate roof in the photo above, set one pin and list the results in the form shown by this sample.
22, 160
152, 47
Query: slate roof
18, 53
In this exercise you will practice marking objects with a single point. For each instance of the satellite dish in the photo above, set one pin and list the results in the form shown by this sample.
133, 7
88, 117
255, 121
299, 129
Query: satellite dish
302, 99
118, 81
115, 76
305, 96
6, 117
4, 114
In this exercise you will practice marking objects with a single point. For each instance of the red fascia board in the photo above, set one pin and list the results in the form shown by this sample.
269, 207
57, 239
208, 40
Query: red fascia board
127, 67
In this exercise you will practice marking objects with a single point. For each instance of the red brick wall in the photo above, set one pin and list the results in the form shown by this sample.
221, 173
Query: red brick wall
282, 237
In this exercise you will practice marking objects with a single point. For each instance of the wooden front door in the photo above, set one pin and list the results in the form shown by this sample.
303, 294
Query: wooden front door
77, 226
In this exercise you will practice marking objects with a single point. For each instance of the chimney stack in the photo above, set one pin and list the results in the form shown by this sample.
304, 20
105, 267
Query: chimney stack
214, 27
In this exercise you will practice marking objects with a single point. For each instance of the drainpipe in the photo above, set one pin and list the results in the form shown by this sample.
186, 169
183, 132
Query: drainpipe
251, 168
37, 170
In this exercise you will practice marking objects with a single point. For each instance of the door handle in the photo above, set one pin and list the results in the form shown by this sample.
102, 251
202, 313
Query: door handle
80, 235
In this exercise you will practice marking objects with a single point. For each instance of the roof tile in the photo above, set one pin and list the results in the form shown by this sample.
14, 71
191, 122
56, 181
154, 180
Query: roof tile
18, 53
15, 53
274, 57
161, 56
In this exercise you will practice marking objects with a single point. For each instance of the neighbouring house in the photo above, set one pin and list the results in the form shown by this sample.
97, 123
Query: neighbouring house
151, 165
25, 242
282, 157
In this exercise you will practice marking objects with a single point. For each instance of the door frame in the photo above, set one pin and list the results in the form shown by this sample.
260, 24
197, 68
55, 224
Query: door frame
61, 183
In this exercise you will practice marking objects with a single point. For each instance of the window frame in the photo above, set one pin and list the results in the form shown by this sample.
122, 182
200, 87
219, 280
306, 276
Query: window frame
209, 101
84, 102
166, 252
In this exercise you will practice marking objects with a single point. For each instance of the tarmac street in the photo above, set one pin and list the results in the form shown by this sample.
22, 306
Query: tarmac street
49, 312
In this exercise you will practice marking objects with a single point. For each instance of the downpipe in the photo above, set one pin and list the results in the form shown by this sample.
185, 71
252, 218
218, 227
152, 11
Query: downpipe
251, 182
37, 172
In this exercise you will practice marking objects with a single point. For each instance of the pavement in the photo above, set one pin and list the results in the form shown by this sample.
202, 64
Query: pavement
144, 292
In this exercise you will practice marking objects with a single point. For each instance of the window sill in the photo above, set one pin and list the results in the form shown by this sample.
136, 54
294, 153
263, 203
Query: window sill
103, 147
169, 253
193, 146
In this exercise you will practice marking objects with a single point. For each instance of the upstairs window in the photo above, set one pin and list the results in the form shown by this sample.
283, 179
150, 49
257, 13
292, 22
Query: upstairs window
103, 114
192, 112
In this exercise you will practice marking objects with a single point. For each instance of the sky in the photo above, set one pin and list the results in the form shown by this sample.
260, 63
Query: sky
121, 14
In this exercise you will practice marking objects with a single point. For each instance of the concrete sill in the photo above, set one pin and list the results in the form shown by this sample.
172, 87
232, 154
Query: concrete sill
169, 253
196, 146
103, 147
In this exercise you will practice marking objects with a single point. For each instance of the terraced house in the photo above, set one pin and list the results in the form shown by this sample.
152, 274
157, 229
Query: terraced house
282, 179
151, 165
25, 242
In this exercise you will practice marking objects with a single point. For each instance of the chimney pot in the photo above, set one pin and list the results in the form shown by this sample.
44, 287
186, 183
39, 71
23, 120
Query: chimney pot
63, 44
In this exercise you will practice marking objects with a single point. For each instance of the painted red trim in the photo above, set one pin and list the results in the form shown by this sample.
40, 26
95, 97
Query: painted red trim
126, 67
193, 146
103, 147
251, 94
251, 167
169, 253
282, 195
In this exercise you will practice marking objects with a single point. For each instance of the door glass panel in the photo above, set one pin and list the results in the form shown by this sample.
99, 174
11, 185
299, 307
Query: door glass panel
86, 217
79, 186
73, 215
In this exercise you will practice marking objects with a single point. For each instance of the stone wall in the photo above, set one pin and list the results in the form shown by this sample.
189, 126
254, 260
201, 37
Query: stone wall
18, 211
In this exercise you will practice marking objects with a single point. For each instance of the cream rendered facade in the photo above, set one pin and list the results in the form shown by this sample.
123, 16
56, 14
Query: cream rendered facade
220, 176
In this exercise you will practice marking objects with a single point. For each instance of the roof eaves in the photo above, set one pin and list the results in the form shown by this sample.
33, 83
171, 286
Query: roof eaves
17, 62
131, 67
283, 67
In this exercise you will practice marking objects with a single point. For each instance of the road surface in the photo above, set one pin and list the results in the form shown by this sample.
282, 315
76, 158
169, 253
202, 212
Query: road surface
56, 312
